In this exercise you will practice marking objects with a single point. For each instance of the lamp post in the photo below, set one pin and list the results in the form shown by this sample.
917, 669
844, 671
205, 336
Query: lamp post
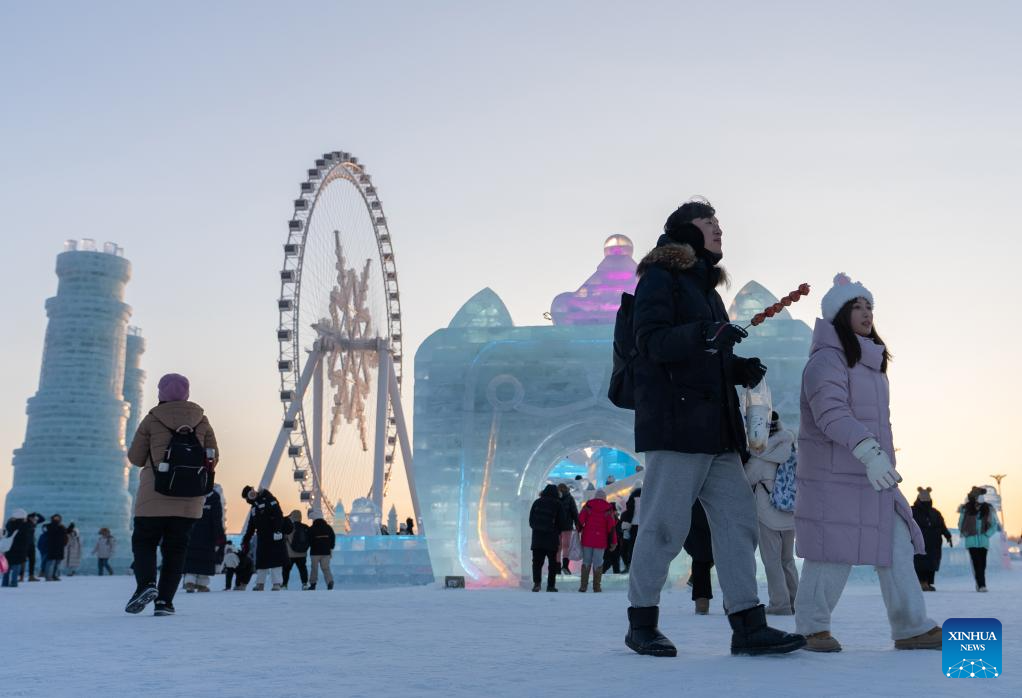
1001, 495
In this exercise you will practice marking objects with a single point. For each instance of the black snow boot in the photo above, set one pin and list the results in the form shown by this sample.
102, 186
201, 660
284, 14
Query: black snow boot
752, 636
644, 637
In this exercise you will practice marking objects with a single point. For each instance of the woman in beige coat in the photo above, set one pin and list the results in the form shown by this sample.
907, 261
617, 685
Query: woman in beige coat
162, 521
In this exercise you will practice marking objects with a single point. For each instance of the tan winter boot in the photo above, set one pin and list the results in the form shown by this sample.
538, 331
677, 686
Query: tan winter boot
930, 640
597, 578
585, 578
822, 641
702, 607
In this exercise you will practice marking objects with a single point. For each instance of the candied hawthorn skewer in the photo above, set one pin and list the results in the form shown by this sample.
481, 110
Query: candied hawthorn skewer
793, 297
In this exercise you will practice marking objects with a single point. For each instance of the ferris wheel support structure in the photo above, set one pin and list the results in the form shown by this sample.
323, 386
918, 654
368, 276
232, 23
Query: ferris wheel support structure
388, 395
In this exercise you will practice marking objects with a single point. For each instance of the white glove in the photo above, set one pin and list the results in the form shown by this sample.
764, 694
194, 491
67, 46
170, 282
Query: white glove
879, 471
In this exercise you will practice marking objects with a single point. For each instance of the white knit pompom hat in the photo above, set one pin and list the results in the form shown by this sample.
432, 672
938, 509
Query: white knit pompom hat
840, 293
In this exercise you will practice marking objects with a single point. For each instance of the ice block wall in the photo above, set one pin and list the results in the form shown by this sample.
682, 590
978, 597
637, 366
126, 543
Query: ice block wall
134, 394
73, 459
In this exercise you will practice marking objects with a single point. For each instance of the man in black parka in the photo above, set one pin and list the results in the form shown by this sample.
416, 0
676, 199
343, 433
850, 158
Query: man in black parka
546, 519
688, 424
268, 524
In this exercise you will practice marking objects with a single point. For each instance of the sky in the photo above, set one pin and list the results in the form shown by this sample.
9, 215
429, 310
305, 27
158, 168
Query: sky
507, 142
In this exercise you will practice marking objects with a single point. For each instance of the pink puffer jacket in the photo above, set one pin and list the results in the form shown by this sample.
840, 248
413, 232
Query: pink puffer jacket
839, 517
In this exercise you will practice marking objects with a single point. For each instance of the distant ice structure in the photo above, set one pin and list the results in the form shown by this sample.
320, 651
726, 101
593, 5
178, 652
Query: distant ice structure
365, 518
73, 460
134, 393
372, 561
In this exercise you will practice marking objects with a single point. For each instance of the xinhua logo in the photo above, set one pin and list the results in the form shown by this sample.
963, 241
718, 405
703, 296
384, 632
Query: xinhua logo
971, 648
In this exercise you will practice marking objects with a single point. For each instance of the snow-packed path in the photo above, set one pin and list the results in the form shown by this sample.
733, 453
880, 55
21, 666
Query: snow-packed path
72, 638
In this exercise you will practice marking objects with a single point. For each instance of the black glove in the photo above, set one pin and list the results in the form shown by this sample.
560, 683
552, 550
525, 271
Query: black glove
754, 372
722, 336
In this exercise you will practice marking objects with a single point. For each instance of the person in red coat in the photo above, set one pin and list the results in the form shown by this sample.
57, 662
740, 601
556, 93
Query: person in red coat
598, 532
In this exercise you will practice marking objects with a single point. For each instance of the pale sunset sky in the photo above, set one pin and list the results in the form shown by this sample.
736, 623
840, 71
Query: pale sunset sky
507, 141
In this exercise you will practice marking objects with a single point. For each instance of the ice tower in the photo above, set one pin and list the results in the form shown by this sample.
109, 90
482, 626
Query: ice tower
134, 394
73, 458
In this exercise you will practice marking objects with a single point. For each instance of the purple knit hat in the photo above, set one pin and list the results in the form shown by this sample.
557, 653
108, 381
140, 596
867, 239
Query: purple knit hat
173, 387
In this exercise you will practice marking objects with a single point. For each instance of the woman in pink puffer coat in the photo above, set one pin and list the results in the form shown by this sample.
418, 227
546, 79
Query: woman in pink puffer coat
848, 508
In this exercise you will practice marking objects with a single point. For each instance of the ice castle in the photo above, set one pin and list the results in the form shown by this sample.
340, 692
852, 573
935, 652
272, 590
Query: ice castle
500, 410
73, 461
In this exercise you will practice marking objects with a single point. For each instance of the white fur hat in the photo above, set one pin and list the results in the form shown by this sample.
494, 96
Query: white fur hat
840, 293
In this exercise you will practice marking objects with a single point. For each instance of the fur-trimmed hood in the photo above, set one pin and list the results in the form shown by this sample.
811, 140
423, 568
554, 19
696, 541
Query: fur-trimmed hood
675, 258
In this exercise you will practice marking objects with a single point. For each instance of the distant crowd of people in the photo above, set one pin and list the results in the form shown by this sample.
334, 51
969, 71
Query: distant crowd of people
57, 549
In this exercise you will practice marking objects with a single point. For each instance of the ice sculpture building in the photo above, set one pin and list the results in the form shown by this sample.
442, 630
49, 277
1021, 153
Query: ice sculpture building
134, 393
73, 459
500, 410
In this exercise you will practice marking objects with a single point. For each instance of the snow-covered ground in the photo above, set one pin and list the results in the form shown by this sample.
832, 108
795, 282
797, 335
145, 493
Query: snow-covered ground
73, 638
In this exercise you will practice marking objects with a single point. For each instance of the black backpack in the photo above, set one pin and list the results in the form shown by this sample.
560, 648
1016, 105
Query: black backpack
183, 470
622, 376
300, 539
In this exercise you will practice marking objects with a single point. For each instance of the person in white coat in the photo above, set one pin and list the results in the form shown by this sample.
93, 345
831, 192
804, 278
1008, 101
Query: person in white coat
73, 551
776, 527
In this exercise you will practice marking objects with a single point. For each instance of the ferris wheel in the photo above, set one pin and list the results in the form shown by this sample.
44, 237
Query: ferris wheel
340, 342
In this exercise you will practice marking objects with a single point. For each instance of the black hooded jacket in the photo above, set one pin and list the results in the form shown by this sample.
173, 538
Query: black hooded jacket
21, 545
269, 525
685, 398
547, 519
321, 538
56, 540
931, 523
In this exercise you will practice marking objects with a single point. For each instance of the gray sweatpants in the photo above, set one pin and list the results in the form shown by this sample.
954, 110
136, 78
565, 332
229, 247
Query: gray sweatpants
822, 583
670, 487
318, 562
777, 551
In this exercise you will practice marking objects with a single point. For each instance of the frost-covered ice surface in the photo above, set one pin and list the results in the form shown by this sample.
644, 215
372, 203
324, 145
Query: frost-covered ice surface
73, 639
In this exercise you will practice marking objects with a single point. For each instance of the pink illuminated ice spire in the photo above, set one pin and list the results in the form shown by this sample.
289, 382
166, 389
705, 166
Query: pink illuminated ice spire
597, 301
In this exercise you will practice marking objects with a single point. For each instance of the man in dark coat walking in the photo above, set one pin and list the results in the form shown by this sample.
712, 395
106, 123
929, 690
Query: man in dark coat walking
688, 424
931, 523
56, 541
546, 519
267, 523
